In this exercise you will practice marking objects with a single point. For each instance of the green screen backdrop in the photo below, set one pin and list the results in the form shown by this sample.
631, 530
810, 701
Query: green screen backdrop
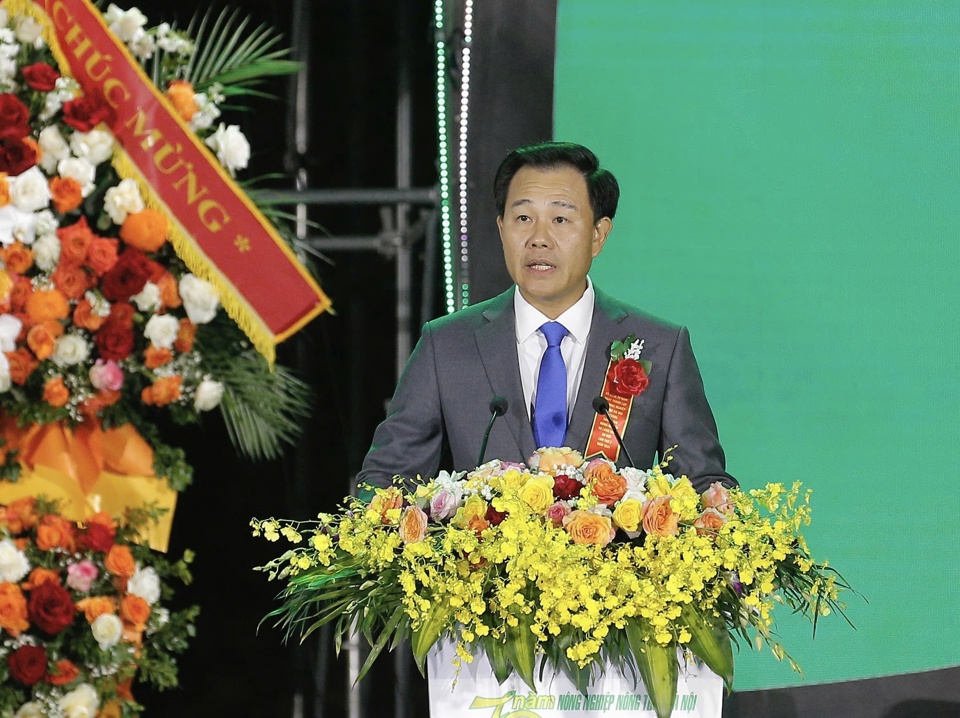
790, 176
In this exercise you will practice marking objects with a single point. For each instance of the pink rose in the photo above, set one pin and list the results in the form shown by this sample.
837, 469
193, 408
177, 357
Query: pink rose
717, 497
556, 512
80, 576
443, 505
106, 376
709, 522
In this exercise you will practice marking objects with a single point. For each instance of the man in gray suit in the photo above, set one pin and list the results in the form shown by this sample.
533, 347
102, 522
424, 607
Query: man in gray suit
555, 209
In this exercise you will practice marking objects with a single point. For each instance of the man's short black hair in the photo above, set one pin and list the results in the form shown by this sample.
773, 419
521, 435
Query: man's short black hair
602, 186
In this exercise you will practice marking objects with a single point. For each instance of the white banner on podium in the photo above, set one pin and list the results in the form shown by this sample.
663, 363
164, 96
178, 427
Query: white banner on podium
475, 693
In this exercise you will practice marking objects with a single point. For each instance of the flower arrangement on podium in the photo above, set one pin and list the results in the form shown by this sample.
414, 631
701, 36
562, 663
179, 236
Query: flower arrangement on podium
576, 562
116, 183
83, 608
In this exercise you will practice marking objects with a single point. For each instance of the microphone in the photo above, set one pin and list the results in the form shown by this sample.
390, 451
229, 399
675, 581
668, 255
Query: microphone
602, 406
498, 407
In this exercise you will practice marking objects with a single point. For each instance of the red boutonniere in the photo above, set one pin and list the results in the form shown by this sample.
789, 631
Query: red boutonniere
629, 374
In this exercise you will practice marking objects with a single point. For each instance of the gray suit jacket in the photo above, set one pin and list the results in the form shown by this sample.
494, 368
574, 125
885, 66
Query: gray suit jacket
465, 359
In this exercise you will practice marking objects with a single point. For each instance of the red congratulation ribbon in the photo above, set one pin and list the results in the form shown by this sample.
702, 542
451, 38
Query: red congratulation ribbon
602, 441
223, 237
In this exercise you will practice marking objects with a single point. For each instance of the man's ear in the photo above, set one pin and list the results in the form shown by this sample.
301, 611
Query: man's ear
600, 231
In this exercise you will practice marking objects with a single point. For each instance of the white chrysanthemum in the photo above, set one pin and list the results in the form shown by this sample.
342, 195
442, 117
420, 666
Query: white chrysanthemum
95, 145
145, 583
29, 191
161, 330
122, 200
70, 349
231, 147
82, 701
81, 170
200, 299
54, 147
10, 327
46, 252
46, 222
148, 300
13, 562
208, 396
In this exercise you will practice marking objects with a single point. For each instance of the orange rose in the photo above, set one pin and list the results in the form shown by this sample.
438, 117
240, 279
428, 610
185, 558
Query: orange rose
40, 338
4, 190
55, 532
607, 485
658, 518
63, 672
413, 525
111, 709
162, 391
20, 293
46, 304
22, 365
102, 255
38, 576
185, 336
71, 279
710, 521
552, 459
95, 606
18, 258
75, 241
169, 292
119, 561
146, 230
180, 93
585, 527
718, 497
99, 401
104, 519
55, 392
135, 611
18, 516
84, 317
386, 500
156, 356
13, 609
66, 193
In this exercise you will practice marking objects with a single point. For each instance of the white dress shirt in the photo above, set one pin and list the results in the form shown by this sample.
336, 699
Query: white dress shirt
531, 344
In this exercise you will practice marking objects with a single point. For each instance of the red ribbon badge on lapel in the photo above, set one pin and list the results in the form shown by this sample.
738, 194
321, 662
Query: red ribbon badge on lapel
624, 380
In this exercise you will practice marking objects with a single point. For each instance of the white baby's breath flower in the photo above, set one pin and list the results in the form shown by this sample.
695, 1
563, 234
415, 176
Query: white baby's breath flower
29, 191
145, 583
122, 200
231, 147
69, 350
148, 300
46, 252
209, 395
96, 146
200, 299
13, 562
81, 170
161, 330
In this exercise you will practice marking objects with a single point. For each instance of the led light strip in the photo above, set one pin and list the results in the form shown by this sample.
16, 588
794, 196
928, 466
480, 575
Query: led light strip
446, 225
462, 159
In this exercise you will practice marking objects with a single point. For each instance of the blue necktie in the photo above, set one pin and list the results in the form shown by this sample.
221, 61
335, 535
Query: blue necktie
550, 412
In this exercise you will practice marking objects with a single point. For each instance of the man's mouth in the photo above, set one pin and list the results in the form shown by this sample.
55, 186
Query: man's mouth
540, 265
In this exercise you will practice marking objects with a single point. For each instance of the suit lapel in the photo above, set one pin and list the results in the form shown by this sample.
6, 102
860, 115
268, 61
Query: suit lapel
497, 346
604, 330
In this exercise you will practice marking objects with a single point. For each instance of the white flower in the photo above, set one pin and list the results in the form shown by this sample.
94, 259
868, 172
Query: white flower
122, 200
54, 147
231, 147
148, 300
46, 222
145, 583
10, 328
207, 112
161, 330
29, 191
70, 349
96, 146
128, 26
107, 630
65, 89
636, 481
200, 299
98, 304
82, 701
13, 562
5, 381
208, 396
46, 252
16, 225
159, 617
144, 47
28, 31
30, 709
83, 171
3, 17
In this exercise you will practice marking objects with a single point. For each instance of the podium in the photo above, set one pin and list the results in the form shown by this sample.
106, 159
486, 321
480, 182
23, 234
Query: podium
473, 691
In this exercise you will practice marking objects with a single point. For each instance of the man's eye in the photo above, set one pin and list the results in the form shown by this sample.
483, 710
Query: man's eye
522, 218
561, 220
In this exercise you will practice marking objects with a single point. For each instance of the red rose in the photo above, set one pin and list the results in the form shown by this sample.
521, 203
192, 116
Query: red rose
16, 156
565, 488
132, 270
50, 607
629, 378
85, 113
495, 517
40, 76
14, 118
28, 664
114, 339
97, 537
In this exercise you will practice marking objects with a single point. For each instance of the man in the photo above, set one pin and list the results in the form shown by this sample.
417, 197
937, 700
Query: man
544, 346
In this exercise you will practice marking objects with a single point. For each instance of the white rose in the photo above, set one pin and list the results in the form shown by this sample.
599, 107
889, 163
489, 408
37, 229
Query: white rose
95, 145
107, 630
81, 170
30, 709
70, 349
200, 299
5, 381
145, 583
231, 147
148, 299
29, 190
13, 562
46, 252
122, 200
128, 26
10, 328
208, 396
28, 31
54, 146
161, 330
82, 701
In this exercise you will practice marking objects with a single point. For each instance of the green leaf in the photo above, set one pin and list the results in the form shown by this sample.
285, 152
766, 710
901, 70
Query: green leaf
521, 649
658, 668
377, 648
710, 642
497, 655
429, 632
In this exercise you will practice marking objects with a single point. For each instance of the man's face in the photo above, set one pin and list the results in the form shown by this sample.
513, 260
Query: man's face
550, 237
